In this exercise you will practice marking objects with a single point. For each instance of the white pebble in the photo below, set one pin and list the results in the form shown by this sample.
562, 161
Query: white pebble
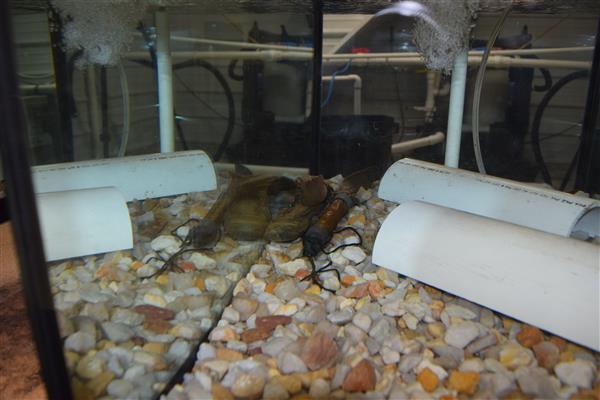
354, 254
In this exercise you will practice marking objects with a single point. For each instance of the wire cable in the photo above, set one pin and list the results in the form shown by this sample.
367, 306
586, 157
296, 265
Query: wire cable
478, 87
342, 70
126, 110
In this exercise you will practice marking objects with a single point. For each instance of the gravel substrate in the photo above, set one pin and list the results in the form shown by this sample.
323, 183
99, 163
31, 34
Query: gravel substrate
380, 335
126, 335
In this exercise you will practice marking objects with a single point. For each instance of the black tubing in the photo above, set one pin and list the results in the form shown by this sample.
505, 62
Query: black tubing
535, 127
547, 81
228, 94
231, 71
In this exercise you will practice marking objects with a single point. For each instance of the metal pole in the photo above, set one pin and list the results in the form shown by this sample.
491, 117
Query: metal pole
25, 223
164, 74
588, 168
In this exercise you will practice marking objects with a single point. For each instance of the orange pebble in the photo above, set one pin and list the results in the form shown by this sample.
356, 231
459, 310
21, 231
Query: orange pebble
464, 382
529, 336
428, 379
302, 273
270, 287
348, 280
187, 266
375, 289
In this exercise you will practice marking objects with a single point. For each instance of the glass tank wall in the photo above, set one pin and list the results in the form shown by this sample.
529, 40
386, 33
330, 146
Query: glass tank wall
238, 263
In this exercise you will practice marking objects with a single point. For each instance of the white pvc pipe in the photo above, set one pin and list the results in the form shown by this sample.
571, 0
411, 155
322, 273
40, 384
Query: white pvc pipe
538, 208
432, 90
545, 280
244, 45
455, 109
357, 89
137, 177
403, 147
264, 169
164, 71
362, 59
82, 222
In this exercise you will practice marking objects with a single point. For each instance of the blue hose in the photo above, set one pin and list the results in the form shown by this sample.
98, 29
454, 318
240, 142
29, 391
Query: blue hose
330, 88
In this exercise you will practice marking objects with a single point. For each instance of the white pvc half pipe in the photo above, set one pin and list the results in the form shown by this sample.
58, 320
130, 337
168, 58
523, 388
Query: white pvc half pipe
502, 199
76, 223
136, 177
545, 280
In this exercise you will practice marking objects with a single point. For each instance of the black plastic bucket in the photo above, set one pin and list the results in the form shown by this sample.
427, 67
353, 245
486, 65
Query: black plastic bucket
350, 143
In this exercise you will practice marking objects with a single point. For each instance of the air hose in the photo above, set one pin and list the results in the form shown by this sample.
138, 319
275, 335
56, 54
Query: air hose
478, 86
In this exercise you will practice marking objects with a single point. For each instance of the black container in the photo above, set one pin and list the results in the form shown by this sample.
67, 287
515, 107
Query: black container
352, 142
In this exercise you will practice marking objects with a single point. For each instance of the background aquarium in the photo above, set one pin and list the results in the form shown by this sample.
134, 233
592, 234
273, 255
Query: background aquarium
206, 177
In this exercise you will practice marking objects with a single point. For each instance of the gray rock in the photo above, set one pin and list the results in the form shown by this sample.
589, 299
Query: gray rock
274, 346
289, 363
462, 334
134, 372
409, 362
119, 388
394, 308
482, 343
454, 310
381, 329
179, 350
95, 311
319, 389
389, 356
206, 352
473, 365
341, 370
499, 384
91, 293
274, 391
287, 290
535, 381
117, 332
449, 351
576, 373
372, 345
354, 333
341, 317
126, 316
362, 320
315, 314
80, 342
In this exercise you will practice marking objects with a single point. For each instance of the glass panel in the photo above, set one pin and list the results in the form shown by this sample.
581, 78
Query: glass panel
92, 81
274, 263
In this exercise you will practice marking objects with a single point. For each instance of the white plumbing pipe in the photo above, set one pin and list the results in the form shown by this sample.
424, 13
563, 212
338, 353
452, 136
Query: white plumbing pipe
243, 45
547, 210
432, 90
357, 89
78, 223
137, 177
543, 279
164, 72
455, 109
361, 59
406, 146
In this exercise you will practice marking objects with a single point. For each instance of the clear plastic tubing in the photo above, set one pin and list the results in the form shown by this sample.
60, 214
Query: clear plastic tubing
478, 86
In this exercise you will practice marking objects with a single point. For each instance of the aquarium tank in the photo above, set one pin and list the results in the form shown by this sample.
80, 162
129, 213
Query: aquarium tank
306, 199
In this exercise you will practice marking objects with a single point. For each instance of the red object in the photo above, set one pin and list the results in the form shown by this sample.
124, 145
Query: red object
359, 50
